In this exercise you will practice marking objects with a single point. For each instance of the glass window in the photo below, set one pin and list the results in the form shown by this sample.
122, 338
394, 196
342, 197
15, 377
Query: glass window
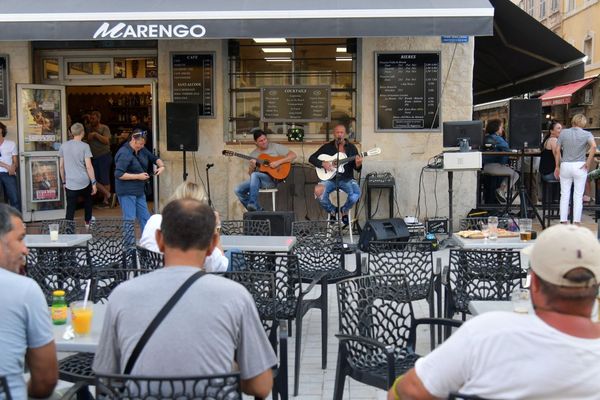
137, 67
50, 68
297, 62
88, 68
530, 7
542, 9
554, 5
587, 50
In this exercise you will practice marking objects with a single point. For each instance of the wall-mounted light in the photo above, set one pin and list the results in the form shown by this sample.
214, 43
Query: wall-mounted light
341, 49
276, 50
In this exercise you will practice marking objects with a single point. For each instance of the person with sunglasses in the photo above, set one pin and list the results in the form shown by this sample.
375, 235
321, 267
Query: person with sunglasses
131, 163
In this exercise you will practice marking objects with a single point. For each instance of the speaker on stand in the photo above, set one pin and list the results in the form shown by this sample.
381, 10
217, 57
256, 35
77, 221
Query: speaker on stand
182, 129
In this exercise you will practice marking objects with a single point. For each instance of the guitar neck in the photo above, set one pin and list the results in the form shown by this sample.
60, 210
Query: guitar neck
246, 157
348, 159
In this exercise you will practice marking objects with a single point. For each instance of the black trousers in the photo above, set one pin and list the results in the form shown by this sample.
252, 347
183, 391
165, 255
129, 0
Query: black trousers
73, 195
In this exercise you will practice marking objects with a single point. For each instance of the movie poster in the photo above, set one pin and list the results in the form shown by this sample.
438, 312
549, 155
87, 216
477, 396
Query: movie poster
41, 111
44, 180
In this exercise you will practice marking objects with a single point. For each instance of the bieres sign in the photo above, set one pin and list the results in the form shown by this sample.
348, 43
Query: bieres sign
122, 30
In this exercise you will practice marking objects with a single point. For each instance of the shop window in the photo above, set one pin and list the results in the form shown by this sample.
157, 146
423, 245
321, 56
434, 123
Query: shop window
137, 67
79, 68
295, 62
50, 69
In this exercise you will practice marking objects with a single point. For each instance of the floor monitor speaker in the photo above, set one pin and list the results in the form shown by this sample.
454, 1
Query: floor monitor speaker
525, 123
391, 229
281, 221
182, 126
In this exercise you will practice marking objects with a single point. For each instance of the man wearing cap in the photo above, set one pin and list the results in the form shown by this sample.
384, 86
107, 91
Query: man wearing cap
553, 353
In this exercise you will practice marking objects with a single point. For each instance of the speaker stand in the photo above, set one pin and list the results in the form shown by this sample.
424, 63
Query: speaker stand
208, 166
185, 174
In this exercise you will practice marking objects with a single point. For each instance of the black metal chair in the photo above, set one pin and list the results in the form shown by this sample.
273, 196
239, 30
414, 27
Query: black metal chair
377, 339
290, 303
480, 275
226, 387
459, 396
261, 286
149, 259
65, 226
258, 227
113, 240
4, 389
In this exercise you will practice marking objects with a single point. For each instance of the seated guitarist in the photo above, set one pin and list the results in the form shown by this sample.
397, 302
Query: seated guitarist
247, 191
345, 180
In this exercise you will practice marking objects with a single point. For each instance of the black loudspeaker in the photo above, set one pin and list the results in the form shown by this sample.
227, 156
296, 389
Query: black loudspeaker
391, 229
182, 126
281, 221
233, 48
351, 45
525, 123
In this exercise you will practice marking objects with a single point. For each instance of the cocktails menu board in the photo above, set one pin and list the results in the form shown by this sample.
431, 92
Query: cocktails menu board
192, 81
408, 91
295, 104
4, 101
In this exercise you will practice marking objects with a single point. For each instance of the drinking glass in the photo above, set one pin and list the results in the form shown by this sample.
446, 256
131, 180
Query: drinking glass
520, 300
493, 227
53, 229
81, 317
485, 230
525, 226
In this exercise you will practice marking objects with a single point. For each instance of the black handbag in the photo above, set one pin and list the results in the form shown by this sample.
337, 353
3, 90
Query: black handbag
148, 190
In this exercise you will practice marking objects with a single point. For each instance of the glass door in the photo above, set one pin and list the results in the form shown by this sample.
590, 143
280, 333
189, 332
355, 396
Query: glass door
42, 128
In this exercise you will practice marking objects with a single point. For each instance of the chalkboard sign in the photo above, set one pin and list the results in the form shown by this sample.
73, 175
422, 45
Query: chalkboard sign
407, 91
192, 80
4, 100
295, 104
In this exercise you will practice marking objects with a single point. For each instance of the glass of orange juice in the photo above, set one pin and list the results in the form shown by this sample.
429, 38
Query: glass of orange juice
81, 317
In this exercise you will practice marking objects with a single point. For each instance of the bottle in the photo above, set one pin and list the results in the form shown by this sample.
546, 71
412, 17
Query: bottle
59, 308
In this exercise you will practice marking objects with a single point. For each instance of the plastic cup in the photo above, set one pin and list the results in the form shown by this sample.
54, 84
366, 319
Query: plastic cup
81, 317
493, 227
53, 229
520, 300
525, 228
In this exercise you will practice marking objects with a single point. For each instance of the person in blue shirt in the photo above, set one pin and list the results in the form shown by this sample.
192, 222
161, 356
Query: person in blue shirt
131, 163
498, 164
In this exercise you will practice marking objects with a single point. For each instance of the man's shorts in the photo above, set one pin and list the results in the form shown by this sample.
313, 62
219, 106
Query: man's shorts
102, 166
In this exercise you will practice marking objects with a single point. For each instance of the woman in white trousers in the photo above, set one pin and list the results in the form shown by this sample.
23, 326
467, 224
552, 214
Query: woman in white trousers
572, 167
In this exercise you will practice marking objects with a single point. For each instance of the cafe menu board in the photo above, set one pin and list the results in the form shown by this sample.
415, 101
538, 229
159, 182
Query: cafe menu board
4, 101
408, 91
295, 104
192, 81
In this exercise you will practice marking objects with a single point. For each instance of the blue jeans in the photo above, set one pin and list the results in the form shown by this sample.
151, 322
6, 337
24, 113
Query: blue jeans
247, 191
9, 184
349, 186
135, 207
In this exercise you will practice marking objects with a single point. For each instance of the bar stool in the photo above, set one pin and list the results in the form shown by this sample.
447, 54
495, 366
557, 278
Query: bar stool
351, 220
509, 193
273, 192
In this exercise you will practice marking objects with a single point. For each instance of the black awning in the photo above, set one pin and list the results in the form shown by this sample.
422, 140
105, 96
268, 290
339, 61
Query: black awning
189, 19
522, 56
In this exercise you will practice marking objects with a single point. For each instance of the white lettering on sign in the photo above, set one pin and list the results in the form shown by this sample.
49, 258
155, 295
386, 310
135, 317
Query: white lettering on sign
123, 30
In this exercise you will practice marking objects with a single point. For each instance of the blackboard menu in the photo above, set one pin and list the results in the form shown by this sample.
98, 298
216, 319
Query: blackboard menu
295, 104
4, 101
192, 81
408, 91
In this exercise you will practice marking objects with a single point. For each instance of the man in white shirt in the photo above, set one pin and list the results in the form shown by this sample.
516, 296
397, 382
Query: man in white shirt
551, 354
8, 168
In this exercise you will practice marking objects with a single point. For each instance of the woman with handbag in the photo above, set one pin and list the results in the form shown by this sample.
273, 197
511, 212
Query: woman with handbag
131, 163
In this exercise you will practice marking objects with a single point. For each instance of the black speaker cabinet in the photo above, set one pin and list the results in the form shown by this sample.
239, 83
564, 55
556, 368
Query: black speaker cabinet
182, 126
391, 229
525, 123
281, 221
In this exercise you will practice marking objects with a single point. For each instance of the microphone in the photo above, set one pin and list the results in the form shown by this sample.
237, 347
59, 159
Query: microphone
208, 166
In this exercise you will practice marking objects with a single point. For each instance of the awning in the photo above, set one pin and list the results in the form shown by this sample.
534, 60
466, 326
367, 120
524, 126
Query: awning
562, 94
188, 19
522, 56
492, 104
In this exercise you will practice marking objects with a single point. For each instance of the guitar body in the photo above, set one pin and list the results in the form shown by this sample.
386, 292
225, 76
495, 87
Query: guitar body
327, 175
279, 173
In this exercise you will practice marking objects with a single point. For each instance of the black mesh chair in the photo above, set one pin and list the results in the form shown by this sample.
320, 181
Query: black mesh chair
261, 286
148, 259
65, 226
113, 241
225, 387
290, 303
4, 390
258, 227
480, 275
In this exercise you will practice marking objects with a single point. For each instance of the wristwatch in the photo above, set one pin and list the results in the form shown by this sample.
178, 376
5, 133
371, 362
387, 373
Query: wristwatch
94, 182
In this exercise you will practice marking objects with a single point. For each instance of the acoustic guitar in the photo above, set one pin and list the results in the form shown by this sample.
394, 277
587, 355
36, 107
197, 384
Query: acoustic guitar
327, 175
263, 162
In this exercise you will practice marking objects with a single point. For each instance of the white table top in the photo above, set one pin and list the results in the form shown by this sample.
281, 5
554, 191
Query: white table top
500, 243
70, 240
87, 343
282, 244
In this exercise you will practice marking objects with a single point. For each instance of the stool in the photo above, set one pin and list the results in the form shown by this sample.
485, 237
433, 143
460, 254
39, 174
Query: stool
273, 192
343, 196
550, 201
499, 179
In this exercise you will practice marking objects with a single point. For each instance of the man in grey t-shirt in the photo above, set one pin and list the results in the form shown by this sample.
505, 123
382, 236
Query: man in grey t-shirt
77, 172
213, 327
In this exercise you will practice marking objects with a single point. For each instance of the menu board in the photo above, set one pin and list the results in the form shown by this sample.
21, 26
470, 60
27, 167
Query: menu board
4, 101
295, 104
192, 81
407, 91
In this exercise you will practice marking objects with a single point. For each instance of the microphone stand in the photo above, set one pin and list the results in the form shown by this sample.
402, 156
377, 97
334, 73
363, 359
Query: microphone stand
208, 166
337, 184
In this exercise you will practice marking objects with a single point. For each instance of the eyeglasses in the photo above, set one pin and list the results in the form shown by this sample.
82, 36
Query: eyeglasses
141, 134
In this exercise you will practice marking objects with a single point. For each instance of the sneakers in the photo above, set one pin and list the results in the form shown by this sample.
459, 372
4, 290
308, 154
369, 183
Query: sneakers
345, 220
501, 196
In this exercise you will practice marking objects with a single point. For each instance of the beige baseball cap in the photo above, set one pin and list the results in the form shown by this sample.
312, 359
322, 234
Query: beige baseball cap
562, 248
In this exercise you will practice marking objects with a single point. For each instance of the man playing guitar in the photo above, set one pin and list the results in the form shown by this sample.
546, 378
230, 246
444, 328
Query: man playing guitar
345, 180
247, 191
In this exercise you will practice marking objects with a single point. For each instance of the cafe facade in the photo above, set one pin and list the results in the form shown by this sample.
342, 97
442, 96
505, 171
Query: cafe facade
392, 73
